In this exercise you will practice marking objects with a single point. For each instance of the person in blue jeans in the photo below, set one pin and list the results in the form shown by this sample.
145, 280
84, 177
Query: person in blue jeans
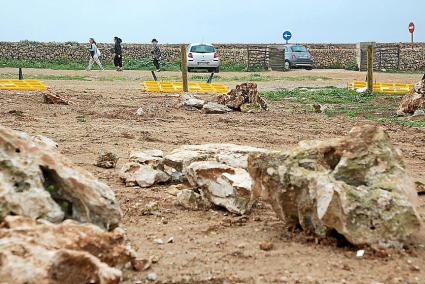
94, 55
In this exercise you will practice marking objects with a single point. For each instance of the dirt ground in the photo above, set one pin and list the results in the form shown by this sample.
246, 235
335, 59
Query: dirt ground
213, 246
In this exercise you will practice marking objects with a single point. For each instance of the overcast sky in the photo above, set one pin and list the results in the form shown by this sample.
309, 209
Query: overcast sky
217, 21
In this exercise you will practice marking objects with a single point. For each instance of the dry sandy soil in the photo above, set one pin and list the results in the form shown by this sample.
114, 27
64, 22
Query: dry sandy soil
213, 246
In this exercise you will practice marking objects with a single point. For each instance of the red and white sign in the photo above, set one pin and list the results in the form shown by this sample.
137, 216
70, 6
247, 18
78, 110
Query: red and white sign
412, 27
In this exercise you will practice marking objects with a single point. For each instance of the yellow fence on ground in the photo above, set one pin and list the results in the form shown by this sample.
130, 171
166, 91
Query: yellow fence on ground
22, 85
379, 87
175, 87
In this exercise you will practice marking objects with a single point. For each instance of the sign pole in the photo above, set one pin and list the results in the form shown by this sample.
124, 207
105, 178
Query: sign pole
412, 30
184, 69
370, 68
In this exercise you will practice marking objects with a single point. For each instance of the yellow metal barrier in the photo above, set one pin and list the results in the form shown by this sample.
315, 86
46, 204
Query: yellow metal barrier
175, 87
379, 87
22, 85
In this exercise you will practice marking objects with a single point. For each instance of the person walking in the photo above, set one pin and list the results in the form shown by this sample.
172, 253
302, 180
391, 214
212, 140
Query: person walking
118, 54
94, 55
156, 54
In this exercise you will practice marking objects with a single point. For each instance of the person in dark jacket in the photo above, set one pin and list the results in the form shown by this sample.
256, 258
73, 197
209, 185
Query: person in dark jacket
118, 54
156, 54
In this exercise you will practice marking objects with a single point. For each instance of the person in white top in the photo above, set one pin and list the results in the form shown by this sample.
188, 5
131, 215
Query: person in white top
94, 55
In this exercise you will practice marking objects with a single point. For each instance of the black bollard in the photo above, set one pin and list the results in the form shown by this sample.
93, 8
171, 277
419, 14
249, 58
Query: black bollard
21, 76
423, 78
154, 76
210, 78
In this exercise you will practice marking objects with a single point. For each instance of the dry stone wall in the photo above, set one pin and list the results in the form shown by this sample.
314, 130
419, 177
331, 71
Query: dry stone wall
411, 57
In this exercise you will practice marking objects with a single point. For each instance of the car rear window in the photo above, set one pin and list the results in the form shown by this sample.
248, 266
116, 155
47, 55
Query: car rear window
298, 48
202, 49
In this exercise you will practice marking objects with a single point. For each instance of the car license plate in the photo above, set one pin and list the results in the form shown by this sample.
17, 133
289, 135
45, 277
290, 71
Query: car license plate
203, 62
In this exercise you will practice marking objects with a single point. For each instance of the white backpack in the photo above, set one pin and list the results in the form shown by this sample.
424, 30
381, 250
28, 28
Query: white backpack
98, 52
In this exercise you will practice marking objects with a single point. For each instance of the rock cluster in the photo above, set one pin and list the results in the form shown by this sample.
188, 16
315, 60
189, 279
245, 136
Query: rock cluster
217, 172
356, 186
42, 252
413, 102
244, 98
58, 224
192, 102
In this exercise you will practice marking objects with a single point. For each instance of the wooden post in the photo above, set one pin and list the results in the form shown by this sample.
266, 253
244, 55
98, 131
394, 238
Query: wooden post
370, 68
184, 69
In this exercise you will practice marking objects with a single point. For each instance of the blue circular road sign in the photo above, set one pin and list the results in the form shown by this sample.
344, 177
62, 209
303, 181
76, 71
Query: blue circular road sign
287, 35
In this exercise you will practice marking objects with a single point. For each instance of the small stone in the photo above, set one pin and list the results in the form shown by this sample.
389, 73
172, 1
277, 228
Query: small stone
158, 241
419, 112
140, 112
267, 246
284, 279
107, 160
140, 264
360, 253
152, 206
152, 276
170, 240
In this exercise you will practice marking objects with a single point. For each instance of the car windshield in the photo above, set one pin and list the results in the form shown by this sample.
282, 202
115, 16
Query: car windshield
202, 49
298, 48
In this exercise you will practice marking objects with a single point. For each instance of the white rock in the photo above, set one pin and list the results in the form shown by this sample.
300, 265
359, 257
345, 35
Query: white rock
419, 112
143, 175
191, 101
360, 253
152, 276
149, 157
45, 142
215, 108
222, 185
140, 112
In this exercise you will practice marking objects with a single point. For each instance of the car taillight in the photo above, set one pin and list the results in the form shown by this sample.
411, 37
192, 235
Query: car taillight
294, 56
190, 55
216, 55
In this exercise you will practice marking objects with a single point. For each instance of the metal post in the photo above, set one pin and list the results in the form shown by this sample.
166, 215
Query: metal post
412, 37
210, 78
154, 76
370, 68
184, 69
21, 75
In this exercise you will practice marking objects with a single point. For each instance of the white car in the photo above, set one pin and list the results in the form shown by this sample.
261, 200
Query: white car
203, 56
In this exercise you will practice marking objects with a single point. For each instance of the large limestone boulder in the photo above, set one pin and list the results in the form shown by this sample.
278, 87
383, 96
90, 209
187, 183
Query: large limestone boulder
41, 252
356, 185
38, 182
222, 185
